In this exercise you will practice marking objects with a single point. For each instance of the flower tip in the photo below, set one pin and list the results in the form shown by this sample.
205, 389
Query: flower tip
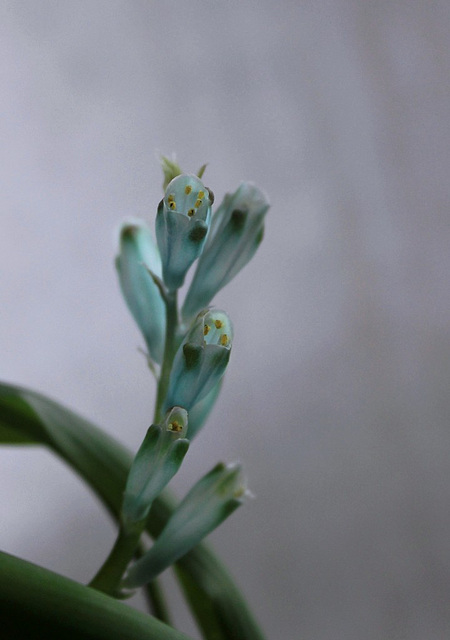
217, 328
234, 482
176, 422
186, 194
126, 229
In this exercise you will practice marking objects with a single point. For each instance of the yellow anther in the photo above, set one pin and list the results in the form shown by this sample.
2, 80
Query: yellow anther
187, 189
218, 324
198, 203
224, 340
206, 329
191, 212
170, 198
172, 204
201, 194
175, 426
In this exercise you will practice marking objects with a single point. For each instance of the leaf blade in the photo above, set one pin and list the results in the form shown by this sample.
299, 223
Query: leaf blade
37, 603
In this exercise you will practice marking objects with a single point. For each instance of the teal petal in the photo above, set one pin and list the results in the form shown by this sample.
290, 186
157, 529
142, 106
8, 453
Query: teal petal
157, 461
200, 411
201, 360
237, 228
139, 255
182, 224
206, 506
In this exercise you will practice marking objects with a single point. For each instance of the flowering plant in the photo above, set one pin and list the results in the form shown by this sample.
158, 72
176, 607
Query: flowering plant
188, 348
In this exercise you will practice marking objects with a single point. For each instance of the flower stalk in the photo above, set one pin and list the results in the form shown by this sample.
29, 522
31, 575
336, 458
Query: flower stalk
192, 345
169, 353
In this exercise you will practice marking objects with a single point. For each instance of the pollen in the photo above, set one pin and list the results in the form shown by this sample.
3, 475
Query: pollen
171, 198
187, 189
191, 212
224, 340
175, 426
206, 329
172, 204
218, 324
198, 203
201, 194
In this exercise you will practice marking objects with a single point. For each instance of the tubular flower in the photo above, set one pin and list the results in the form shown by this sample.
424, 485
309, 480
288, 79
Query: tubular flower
182, 224
138, 256
237, 228
208, 504
157, 461
201, 360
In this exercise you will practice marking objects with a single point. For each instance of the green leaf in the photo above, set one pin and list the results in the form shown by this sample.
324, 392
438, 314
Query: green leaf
36, 603
103, 463
99, 459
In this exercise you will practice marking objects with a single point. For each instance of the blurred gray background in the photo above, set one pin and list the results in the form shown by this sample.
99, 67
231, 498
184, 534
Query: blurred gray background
336, 400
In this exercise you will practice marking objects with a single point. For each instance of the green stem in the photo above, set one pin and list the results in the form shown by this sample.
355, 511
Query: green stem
169, 352
110, 574
156, 602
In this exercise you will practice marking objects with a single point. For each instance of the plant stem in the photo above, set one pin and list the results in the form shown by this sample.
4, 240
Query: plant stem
169, 352
156, 602
110, 574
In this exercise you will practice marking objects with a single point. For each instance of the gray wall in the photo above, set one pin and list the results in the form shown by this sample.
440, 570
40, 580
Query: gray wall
336, 400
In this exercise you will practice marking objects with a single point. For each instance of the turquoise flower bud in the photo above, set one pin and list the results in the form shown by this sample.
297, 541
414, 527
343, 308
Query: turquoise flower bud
157, 461
139, 255
201, 360
182, 224
206, 506
237, 228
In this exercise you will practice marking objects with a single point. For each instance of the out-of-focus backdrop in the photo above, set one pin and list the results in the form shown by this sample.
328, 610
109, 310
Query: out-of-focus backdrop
337, 396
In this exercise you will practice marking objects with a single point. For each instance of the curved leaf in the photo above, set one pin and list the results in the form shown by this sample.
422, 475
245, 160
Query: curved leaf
36, 603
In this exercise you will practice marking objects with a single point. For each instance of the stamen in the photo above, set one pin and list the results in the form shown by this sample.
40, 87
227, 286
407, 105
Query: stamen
187, 189
175, 426
197, 204
201, 195
224, 340
172, 204
191, 212
206, 329
218, 324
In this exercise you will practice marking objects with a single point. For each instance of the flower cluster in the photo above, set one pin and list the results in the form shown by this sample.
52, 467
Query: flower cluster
188, 348
150, 274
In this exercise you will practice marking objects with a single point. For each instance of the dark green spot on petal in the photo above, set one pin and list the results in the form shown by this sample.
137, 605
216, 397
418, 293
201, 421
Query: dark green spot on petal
192, 355
198, 233
238, 218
